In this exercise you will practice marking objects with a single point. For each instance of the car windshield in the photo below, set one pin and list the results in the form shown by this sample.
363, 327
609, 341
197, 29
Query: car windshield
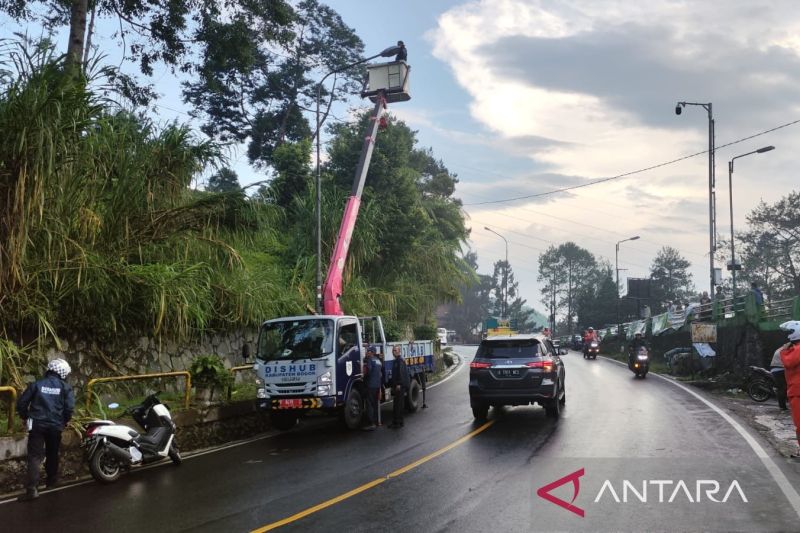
508, 349
295, 339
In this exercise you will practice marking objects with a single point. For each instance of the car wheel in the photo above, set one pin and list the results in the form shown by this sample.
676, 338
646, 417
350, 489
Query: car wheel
563, 399
480, 412
553, 407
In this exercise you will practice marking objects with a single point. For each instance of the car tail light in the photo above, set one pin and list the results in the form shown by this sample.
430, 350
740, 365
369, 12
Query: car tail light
90, 430
547, 366
475, 364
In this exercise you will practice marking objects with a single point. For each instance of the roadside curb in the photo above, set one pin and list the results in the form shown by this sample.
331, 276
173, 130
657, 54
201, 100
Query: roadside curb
449, 371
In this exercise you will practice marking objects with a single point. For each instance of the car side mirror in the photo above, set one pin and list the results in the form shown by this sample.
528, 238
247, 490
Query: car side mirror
245, 351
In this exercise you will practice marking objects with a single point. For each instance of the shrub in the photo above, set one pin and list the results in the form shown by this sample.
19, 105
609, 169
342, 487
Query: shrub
209, 372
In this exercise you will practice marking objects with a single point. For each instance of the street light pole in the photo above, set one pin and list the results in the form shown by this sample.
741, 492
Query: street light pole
386, 52
730, 191
712, 222
616, 267
505, 274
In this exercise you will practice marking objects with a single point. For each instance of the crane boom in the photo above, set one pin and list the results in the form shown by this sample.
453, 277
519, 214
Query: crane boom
332, 289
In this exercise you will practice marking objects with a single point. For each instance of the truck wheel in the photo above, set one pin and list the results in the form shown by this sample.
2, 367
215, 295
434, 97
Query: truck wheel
282, 421
103, 466
412, 399
353, 409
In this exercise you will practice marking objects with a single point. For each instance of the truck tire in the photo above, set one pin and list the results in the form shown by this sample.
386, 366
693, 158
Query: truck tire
282, 421
413, 397
353, 409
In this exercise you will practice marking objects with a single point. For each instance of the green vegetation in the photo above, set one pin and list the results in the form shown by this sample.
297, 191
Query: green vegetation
103, 238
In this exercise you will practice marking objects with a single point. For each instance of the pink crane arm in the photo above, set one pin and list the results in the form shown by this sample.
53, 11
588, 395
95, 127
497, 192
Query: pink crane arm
332, 289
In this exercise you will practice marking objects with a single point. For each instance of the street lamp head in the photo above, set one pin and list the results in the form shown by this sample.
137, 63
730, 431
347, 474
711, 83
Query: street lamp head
765, 149
633, 238
678, 109
487, 228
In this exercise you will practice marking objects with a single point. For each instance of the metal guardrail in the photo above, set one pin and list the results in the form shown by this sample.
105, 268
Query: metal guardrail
233, 370
181, 373
11, 406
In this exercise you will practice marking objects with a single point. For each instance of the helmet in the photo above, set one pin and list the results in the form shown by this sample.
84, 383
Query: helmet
591, 329
637, 334
792, 327
60, 367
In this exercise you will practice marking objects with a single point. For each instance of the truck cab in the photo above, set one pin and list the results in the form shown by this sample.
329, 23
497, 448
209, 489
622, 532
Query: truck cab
314, 362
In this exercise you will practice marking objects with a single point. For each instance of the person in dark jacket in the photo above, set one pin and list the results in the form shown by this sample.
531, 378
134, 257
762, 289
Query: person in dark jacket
402, 54
373, 378
46, 406
401, 381
633, 347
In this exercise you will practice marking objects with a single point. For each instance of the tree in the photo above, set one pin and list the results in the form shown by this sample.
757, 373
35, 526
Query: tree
671, 280
597, 299
577, 263
225, 180
256, 90
552, 275
467, 315
770, 249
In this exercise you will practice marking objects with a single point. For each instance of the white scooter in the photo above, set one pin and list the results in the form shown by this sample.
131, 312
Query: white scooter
111, 447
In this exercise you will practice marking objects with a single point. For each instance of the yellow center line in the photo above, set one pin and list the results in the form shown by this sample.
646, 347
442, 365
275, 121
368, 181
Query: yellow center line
373, 483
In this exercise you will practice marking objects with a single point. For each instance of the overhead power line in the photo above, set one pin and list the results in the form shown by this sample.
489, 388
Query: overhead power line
631, 173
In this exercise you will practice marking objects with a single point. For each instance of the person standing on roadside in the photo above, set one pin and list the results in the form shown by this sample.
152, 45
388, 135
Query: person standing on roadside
372, 367
46, 406
790, 357
401, 381
779, 374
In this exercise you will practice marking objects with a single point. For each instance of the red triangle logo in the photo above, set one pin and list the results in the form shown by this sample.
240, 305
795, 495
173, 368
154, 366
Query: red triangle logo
544, 492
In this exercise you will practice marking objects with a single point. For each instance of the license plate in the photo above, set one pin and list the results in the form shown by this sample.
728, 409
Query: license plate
508, 372
291, 403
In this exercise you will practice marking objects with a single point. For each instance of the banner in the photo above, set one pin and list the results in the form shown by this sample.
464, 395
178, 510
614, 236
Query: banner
702, 332
661, 323
640, 326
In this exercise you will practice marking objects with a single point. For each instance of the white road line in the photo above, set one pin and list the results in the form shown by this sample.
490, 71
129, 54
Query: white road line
775, 471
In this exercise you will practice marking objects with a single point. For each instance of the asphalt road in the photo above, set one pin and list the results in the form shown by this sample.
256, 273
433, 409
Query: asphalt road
621, 439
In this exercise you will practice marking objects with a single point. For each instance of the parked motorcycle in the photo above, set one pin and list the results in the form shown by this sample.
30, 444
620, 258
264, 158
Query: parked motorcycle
591, 350
760, 384
112, 448
640, 362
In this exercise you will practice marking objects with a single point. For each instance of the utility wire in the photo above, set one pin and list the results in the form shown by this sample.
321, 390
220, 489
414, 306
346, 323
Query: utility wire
631, 173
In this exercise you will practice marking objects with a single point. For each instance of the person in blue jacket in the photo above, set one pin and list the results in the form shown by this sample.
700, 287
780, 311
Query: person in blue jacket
46, 406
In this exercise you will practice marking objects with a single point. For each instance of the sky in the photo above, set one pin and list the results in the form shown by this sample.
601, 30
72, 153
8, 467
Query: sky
522, 97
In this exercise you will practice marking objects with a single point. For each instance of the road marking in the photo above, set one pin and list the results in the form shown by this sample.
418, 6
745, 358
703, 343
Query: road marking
373, 483
777, 474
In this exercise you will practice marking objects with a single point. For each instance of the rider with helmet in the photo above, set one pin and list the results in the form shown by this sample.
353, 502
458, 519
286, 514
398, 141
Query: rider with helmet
633, 347
589, 337
790, 356
46, 406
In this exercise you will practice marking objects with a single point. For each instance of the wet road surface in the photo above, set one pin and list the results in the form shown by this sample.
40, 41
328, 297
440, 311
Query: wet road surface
643, 455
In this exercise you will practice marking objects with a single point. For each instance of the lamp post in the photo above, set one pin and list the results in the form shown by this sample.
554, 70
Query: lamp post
616, 267
733, 267
712, 223
505, 274
387, 52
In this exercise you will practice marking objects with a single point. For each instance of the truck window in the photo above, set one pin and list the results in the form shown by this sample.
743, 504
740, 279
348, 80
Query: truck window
295, 339
348, 337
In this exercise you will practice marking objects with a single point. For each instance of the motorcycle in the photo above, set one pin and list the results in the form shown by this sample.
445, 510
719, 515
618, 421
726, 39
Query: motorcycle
112, 448
760, 384
591, 350
640, 362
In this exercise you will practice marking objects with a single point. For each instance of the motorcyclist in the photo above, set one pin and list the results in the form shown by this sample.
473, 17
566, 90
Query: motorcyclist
790, 356
588, 337
633, 347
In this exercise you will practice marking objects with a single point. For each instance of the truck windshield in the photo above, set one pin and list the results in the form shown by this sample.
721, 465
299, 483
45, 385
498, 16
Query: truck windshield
295, 339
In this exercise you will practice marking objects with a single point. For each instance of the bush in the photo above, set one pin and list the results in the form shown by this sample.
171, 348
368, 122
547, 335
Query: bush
425, 332
447, 356
209, 372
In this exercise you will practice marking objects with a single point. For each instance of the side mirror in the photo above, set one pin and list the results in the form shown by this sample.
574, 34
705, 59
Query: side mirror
245, 351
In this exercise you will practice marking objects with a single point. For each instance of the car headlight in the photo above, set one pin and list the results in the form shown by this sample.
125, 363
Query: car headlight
323, 390
259, 382
325, 378
261, 393
324, 384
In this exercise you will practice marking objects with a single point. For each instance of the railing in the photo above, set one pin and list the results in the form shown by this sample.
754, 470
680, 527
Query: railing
233, 371
779, 309
11, 405
182, 373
